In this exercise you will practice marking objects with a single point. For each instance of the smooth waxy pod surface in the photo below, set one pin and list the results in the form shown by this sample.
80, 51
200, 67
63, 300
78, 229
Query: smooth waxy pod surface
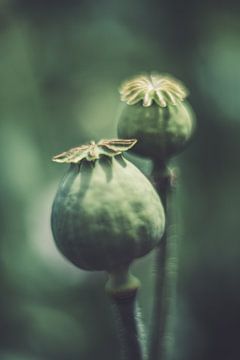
106, 213
157, 115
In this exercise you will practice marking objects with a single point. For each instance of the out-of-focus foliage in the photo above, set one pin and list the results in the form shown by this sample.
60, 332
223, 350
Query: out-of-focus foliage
61, 63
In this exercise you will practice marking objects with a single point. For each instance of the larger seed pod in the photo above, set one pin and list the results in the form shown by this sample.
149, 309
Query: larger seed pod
157, 115
106, 213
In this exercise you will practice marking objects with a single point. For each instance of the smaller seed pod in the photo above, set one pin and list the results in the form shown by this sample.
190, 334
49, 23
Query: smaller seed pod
106, 213
157, 115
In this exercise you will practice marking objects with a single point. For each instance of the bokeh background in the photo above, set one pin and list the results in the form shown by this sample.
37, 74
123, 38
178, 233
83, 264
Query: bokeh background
61, 63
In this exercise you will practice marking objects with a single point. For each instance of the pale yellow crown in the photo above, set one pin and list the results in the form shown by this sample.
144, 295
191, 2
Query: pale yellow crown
93, 151
163, 89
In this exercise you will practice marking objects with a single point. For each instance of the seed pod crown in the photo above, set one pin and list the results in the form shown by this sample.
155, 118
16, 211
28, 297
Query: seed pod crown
93, 151
163, 89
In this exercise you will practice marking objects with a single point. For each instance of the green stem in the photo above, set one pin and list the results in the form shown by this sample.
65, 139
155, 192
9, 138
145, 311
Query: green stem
162, 181
122, 288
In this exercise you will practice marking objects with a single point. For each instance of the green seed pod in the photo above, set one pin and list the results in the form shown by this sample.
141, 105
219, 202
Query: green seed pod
157, 115
106, 213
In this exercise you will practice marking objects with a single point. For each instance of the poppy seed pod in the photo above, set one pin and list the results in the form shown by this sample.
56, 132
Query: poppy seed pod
106, 213
157, 115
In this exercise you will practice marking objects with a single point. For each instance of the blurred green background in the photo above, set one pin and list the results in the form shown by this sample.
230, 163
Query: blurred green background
61, 63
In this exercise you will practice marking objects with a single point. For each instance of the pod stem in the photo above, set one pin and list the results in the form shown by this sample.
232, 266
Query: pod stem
163, 179
122, 287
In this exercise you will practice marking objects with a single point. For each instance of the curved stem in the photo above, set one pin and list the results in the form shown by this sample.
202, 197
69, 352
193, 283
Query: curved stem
162, 181
123, 287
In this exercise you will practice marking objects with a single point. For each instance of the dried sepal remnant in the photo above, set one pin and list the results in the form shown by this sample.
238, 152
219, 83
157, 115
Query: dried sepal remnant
163, 89
93, 151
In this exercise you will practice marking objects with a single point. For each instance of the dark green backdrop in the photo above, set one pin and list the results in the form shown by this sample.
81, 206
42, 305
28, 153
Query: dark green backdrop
61, 63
